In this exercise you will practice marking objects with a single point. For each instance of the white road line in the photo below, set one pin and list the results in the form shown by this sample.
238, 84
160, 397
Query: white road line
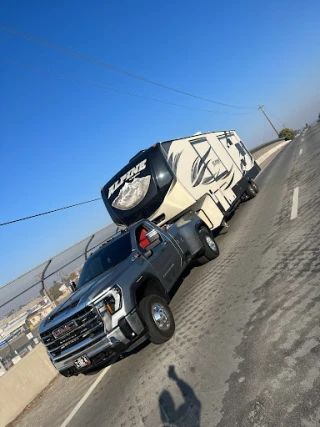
300, 152
295, 202
85, 397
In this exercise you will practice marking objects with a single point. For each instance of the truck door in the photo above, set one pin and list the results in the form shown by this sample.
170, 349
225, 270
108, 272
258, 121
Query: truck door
160, 252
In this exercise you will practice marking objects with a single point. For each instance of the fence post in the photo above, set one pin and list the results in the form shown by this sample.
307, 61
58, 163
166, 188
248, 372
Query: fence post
43, 286
87, 246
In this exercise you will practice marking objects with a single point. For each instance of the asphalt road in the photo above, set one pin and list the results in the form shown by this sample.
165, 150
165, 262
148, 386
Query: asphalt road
246, 349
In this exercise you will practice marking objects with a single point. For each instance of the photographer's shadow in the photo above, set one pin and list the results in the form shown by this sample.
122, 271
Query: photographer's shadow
185, 415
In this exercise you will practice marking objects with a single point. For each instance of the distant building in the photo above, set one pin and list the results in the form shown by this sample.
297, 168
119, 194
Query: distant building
34, 318
63, 288
65, 291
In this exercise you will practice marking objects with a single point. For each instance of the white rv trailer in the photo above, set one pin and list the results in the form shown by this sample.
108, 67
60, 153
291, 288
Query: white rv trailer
208, 173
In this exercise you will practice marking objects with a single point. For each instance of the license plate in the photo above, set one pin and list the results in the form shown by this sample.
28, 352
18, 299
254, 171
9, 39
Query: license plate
82, 361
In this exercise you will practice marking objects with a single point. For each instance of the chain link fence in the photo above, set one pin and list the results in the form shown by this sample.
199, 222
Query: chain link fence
25, 301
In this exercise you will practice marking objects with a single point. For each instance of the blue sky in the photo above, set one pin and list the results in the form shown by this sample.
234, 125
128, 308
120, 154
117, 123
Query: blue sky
61, 140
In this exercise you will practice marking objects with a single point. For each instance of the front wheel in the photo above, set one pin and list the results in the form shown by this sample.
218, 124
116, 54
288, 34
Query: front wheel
158, 318
210, 248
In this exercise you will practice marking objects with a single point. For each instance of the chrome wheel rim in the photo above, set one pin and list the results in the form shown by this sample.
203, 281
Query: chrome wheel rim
160, 316
211, 243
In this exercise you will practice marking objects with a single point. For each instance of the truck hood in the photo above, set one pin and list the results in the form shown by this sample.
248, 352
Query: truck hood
81, 298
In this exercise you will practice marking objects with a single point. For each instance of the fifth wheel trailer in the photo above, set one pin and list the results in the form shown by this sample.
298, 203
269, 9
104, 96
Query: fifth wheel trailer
208, 173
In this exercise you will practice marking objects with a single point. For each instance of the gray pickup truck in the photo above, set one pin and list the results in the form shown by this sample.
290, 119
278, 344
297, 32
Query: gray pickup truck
122, 295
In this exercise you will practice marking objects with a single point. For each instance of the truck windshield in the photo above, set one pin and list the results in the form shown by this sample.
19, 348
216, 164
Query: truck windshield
105, 259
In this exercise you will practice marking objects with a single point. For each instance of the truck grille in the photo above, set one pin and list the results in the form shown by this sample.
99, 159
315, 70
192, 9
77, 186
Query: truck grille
87, 323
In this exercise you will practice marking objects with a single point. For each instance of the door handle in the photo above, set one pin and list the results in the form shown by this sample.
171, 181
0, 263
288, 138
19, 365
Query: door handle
148, 253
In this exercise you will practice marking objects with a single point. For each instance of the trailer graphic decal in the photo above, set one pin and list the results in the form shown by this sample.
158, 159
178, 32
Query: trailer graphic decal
132, 193
173, 161
231, 181
199, 168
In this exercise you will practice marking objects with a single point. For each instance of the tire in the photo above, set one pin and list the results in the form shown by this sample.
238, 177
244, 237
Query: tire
66, 373
158, 318
210, 248
250, 192
254, 185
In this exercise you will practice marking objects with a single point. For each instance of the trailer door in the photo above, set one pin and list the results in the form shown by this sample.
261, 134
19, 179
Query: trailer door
213, 171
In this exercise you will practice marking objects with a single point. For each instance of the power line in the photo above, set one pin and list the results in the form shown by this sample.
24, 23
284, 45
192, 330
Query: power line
110, 67
48, 212
62, 76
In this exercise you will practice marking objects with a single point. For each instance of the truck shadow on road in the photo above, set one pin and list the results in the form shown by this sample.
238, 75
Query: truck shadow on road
188, 413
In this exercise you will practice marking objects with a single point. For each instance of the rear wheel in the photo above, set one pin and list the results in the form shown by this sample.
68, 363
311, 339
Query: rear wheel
250, 191
254, 185
210, 248
158, 318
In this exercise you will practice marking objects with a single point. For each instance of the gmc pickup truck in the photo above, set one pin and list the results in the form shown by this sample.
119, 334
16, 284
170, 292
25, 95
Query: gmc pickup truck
122, 295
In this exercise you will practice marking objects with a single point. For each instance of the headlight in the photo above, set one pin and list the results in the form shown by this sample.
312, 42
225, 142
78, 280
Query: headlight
110, 300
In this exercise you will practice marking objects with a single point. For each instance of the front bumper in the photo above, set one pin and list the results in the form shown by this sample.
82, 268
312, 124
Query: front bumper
104, 345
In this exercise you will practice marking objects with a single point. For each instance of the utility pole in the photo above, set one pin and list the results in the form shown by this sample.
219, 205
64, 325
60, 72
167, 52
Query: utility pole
273, 127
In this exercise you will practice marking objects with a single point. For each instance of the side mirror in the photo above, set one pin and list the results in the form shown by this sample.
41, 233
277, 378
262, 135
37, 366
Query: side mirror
73, 286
